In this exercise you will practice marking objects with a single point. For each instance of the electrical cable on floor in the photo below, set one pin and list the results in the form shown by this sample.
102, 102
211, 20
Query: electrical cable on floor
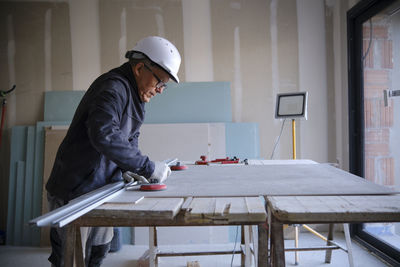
234, 247
277, 141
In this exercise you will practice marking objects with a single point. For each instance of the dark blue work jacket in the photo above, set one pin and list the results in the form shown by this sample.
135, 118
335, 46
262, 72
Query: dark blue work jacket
102, 140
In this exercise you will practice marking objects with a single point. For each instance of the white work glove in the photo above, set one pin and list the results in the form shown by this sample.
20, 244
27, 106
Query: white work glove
161, 172
130, 177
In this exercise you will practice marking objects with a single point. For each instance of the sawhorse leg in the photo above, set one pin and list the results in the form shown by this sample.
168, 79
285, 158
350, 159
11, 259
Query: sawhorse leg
262, 255
277, 244
328, 253
348, 243
153, 246
73, 252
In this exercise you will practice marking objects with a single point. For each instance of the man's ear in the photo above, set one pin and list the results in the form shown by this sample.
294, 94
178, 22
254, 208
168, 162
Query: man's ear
137, 69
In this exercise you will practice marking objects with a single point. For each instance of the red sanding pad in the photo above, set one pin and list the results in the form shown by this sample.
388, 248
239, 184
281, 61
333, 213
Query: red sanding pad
153, 187
178, 167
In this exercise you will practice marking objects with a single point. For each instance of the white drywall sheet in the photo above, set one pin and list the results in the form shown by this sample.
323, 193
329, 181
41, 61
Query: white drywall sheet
183, 141
231, 180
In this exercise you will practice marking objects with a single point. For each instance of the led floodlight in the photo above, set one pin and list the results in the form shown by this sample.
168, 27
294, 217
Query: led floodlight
291, 105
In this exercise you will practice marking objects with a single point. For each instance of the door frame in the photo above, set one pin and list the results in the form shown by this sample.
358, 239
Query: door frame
356, 16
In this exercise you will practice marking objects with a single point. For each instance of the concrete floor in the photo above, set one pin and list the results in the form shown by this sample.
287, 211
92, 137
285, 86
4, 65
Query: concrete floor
37, 257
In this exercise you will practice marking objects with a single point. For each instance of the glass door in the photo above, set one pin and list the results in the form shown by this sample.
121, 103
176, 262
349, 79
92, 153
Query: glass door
381, 75
374, 110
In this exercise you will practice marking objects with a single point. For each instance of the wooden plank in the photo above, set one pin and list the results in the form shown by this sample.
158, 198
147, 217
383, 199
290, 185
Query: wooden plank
187, 203
38, 174
192, 264
239, 209
222, 206
70, 242
162, 208
250, 207
277, 244
366, 208
52, 140
262, 246
203, 206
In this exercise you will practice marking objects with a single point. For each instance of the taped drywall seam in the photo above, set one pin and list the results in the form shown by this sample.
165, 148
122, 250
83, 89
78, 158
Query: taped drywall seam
197, 40
47, 50
12, 99
274, 47
313, 78
274, 61
122, 45
160, 25
85, 42
337, 65
237, 78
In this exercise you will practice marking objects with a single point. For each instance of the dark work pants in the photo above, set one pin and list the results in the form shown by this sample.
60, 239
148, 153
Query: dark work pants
95, 250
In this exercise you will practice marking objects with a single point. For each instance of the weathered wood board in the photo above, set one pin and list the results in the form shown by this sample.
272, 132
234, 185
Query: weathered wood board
52, 140
298, 209
233, 209
147, 208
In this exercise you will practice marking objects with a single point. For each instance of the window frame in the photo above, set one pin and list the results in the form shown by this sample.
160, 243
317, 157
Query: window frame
356, 16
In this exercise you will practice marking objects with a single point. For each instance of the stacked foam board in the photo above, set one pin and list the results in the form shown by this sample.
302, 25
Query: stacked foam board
25, 183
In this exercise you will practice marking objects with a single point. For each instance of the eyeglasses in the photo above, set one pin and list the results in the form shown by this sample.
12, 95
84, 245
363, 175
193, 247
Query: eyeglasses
160, 84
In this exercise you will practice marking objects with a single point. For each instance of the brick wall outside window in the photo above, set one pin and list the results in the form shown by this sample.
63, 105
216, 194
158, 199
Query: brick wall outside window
378, 65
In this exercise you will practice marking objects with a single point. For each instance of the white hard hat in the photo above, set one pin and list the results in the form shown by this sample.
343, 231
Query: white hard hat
160, 51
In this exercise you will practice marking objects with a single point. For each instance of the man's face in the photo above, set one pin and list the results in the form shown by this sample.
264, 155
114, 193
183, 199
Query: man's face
149, 80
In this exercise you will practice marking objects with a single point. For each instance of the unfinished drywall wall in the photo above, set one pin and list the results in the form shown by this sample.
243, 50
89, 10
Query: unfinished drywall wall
125, 22
262, 47
313, 78
85, 42
35, 55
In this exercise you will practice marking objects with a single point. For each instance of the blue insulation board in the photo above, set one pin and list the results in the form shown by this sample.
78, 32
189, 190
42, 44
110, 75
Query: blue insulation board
61, 105
242, 140
192, 102
18, 148
19, 197
28, 185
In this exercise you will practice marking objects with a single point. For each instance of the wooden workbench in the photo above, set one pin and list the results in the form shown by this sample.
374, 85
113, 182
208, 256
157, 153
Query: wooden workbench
212, 183
151, 211
326, 209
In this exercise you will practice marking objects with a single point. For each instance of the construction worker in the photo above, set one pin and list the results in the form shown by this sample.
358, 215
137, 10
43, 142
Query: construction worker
101, 144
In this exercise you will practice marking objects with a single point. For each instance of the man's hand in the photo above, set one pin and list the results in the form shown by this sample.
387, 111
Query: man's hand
130, 177
161, 172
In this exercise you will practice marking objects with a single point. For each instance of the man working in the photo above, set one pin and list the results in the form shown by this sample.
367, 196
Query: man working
101, 144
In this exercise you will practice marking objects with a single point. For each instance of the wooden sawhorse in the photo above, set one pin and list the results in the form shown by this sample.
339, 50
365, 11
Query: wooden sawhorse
152, 212
325, 209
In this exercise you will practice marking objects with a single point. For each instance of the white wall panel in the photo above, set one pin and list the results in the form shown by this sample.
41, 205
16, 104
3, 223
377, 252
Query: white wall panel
185, 141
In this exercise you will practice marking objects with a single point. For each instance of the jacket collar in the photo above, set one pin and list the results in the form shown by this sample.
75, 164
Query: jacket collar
127, 71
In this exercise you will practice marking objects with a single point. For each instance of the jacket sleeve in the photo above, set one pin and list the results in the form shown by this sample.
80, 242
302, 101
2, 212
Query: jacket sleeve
103, 126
